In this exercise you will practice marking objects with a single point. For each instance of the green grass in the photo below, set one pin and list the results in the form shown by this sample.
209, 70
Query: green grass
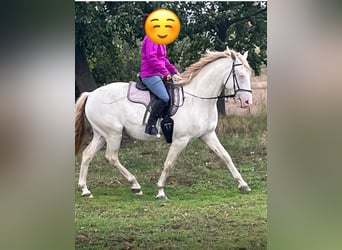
205, 209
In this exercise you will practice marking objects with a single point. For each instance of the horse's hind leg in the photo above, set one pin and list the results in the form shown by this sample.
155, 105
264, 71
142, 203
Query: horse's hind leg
113, 146
213, 142
87, 155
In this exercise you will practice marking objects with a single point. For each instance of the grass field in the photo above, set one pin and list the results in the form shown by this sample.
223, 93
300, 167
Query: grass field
205, 209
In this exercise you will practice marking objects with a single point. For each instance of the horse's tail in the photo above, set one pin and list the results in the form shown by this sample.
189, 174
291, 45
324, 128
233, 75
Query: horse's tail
80, 128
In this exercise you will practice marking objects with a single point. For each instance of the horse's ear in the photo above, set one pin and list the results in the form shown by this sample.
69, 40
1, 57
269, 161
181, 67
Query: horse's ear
227, 48
245, 55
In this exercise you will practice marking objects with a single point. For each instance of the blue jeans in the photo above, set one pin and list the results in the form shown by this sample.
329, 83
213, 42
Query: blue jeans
156, 85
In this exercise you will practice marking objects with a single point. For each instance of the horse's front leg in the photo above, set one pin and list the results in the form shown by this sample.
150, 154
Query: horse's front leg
176, 148
213, 142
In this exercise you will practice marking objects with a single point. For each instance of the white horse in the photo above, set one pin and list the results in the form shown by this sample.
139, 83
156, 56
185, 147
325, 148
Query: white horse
109, 112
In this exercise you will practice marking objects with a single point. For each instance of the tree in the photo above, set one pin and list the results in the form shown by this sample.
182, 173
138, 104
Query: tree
83, 77
110, 34
217, 25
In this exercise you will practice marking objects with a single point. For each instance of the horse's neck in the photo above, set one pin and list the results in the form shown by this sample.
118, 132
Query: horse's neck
209, 81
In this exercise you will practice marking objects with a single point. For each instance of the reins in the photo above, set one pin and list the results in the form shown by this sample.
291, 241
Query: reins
235, 85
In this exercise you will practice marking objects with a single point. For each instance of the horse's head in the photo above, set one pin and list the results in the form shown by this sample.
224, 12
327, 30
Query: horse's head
239, 79
209, 67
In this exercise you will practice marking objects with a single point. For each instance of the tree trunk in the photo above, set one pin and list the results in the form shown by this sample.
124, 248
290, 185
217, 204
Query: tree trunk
83, 77
219, 46
221, 105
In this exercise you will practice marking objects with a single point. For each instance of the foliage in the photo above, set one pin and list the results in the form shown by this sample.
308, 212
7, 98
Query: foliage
111, 33
205, 210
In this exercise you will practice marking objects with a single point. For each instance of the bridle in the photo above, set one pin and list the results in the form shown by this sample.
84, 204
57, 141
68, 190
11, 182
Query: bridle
236, 86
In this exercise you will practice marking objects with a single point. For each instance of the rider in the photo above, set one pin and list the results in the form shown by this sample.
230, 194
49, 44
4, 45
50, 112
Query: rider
155, 67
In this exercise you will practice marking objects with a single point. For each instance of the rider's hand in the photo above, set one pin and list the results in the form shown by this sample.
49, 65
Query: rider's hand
167, 77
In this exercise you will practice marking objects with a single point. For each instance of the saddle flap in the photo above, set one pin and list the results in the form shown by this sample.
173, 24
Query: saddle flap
175, 93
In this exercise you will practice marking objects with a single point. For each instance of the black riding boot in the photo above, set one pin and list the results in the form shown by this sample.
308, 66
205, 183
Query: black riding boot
156, 112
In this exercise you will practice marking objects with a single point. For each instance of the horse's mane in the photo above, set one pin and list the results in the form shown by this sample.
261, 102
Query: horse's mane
208, 57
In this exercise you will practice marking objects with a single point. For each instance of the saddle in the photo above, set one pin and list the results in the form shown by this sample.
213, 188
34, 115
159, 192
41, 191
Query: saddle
138, 92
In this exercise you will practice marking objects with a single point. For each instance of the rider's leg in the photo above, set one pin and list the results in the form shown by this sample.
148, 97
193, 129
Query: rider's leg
156, 112
157, 87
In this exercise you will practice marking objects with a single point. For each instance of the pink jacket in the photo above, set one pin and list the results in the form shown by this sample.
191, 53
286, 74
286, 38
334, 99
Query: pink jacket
154, 60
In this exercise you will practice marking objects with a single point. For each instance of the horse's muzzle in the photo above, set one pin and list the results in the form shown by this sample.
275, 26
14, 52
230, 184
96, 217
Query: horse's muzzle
245, 100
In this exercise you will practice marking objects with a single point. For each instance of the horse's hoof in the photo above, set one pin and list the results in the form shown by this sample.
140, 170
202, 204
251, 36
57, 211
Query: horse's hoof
137, 191
245, 188
87, 195
161, 197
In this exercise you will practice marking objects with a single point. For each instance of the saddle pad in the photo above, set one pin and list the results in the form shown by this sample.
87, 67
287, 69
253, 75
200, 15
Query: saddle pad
138, 96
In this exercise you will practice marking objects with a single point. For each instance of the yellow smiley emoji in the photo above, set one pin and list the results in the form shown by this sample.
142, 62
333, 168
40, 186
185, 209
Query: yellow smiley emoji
162, 26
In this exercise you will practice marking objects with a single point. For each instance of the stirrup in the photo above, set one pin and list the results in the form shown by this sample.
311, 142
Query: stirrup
151, 130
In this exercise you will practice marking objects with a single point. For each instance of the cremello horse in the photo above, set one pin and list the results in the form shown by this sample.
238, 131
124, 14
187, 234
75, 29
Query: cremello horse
109, 112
